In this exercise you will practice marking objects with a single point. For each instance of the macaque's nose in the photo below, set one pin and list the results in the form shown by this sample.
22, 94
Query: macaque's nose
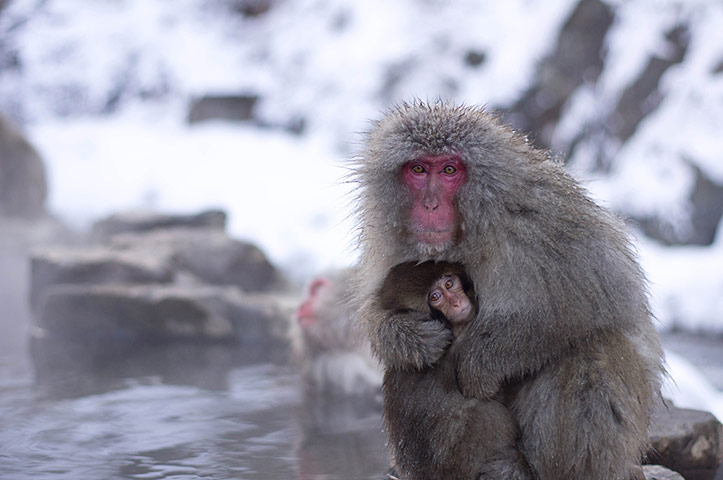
431, 201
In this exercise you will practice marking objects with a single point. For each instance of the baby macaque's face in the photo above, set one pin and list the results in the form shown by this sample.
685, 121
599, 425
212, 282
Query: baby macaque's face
447, 295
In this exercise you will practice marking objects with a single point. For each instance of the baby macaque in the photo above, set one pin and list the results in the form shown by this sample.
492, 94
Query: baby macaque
479, 435
448, 297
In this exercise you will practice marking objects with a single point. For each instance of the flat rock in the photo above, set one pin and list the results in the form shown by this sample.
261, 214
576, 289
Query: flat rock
161, 312
656, 472
687, 441
208, 254
174, 255
144, 221
239, 108
95, 265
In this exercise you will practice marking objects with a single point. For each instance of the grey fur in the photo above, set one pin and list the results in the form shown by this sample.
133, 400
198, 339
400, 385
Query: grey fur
563, 310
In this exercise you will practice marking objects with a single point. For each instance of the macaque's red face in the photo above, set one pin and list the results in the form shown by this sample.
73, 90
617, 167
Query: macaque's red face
447, 295
308, 312
432, 182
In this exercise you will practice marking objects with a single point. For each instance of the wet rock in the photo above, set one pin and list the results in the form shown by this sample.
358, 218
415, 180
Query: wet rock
95, 265
239, 108
160, 256
160, 312
143, 221
656, 472
687, 441
152, 276
23, 183
209, 255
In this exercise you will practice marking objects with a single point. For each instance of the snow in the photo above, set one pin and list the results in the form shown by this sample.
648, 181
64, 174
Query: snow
688, 388
284, 193
686, 285
104, 90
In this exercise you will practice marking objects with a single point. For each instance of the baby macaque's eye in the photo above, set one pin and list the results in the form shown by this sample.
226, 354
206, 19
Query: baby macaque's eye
434, 296
449, 283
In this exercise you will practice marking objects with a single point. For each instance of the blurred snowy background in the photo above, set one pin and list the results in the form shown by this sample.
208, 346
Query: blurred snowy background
254, 106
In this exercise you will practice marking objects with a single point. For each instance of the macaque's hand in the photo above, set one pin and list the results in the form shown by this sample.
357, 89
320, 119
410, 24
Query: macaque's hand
412, 340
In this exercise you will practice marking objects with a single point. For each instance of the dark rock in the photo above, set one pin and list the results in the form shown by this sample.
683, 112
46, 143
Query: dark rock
143, 221
209, 255
252, 8
238, 108
474, 58
160, 312
576, 62
224, 261
706, 210
615, 126
576, 59
23, 183
656, 472
186, 255
644, 95
687, 441
152, 276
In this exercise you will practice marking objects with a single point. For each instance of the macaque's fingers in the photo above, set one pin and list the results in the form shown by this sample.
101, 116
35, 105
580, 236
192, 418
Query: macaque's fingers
411, 340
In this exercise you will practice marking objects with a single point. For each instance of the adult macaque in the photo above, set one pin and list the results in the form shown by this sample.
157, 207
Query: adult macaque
563, 328
335, 356
480, 435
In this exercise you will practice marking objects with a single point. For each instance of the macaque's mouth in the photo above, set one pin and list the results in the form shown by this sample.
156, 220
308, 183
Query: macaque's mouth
434, 237
463, 314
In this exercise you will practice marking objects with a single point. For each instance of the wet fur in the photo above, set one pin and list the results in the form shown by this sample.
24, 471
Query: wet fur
562, 307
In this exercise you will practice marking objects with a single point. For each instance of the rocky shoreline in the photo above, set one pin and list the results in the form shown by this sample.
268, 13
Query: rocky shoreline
145, 276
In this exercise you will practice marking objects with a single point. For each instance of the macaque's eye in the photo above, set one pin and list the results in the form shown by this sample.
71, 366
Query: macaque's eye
434, 296
449, 283
417, 169
450, 170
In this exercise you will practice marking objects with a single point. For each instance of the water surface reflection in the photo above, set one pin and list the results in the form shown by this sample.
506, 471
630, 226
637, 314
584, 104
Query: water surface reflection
178, 412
